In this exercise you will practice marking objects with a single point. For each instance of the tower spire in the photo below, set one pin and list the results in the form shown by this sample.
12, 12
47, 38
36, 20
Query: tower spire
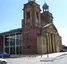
45, 6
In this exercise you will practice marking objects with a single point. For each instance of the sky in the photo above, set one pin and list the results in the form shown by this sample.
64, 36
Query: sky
11, 14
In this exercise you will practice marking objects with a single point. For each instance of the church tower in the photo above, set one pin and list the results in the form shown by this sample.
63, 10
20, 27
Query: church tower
39, 34
31, 14
46, 16
31, 26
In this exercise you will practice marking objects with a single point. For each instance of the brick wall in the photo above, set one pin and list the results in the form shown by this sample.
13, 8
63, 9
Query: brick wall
29, 46
1, 44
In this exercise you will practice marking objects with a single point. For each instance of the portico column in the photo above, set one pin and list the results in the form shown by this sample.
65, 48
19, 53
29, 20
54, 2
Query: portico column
50, 42
53, 43
50, 48
46, 43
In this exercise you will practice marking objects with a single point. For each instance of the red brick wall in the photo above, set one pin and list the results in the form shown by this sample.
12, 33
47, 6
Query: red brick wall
1, 43
45, 18
32, 42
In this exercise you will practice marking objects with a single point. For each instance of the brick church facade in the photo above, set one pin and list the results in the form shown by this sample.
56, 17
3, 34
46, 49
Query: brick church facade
37, 35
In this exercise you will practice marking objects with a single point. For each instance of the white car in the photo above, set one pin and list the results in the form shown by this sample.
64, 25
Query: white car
3, 61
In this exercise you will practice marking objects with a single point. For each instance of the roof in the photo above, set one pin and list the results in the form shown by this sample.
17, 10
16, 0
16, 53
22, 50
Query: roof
32, 4
18, 30
47, 25
45, 6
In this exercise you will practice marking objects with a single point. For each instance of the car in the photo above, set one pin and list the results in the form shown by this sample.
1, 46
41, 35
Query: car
4, 55
3, 61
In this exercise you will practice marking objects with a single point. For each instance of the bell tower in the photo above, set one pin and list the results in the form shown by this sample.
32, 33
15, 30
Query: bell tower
31, 26
46, 16
32, 14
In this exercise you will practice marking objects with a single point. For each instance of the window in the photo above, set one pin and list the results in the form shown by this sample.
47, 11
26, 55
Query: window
37, 15
28, 36
6, 41
18, 39
12, 40
28, 15
19, 50
12, 50
7, 50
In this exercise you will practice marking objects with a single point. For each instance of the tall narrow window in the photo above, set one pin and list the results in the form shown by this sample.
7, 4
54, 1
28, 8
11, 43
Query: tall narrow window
28, 15
37, 15
28, 36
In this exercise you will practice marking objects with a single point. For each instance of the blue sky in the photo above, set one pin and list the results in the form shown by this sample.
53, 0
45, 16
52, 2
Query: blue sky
11, 14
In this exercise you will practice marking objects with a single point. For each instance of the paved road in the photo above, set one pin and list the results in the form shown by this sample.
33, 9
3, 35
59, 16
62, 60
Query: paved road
53, 59
26, 60
61, 60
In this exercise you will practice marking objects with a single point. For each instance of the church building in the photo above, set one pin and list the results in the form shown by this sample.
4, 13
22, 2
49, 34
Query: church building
38, 34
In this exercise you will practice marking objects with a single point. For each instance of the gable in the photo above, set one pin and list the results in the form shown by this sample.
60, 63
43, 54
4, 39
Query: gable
51, 28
